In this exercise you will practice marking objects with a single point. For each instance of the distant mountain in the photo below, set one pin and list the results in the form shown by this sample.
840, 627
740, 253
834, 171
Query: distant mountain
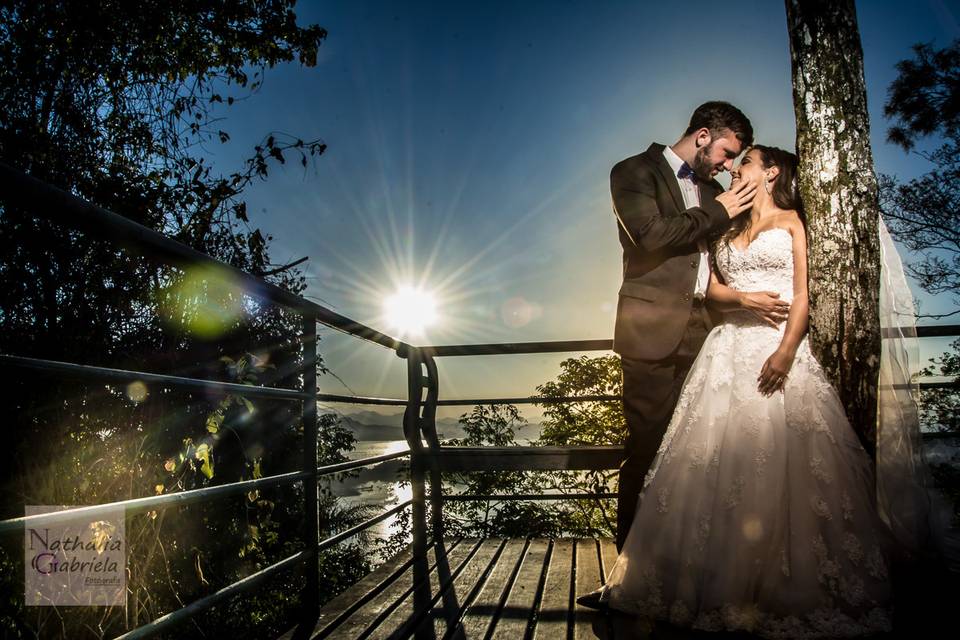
370, 425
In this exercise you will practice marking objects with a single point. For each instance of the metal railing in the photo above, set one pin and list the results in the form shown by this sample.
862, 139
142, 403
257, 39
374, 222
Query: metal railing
19, 189
427, 455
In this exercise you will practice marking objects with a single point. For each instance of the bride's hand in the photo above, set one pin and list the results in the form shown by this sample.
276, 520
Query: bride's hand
766, 305
773, 374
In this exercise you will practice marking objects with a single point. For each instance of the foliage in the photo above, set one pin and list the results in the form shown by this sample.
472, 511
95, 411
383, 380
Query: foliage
924, 213
117, 103
586, 422
569, 423
493, 426
940, 406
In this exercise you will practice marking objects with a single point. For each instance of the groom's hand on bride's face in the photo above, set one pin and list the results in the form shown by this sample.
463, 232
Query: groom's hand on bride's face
739, 197
767, 306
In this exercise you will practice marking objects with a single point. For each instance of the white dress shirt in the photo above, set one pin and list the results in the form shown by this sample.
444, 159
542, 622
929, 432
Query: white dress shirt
691, 198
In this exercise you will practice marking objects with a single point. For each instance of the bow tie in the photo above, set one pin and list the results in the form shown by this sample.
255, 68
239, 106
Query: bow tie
686, 171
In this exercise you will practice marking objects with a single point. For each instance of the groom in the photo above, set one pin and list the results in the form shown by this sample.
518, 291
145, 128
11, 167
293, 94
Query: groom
668, 204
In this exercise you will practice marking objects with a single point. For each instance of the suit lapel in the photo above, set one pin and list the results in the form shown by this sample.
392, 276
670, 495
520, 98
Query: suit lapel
655, 153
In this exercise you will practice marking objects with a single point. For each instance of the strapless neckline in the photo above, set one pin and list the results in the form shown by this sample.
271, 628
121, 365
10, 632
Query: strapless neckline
756, 238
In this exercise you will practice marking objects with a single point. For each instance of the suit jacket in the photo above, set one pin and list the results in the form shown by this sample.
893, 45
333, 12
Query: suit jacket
660, 253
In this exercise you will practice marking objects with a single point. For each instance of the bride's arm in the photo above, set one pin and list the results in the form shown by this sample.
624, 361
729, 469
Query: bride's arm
773, 375
766, 305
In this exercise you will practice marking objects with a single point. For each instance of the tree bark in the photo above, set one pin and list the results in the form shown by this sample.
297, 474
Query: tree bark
839, 190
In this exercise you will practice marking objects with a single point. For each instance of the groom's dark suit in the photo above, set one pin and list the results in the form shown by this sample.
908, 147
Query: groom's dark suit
660, 325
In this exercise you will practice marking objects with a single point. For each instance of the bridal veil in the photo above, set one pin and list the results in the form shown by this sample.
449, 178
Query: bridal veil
919, 517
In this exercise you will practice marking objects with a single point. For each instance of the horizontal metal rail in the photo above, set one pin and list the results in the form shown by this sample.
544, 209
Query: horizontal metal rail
361, 462
67, 209
467, 402
352, 531
939, 435
938, 330
952, 384
471, 497
560, 346
123, 375
526, 458
137, 505
331, 397
179, 616
513, 348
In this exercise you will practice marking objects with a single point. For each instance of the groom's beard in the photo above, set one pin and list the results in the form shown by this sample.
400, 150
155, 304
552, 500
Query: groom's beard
701, 166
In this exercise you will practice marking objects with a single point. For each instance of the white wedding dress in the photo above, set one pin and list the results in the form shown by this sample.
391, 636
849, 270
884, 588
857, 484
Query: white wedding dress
758, 513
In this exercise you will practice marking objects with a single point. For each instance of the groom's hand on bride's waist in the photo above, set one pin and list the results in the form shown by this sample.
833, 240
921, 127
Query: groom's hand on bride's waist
766, 305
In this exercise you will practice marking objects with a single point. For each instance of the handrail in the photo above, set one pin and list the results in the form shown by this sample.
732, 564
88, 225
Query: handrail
515, 348
361, 462
332, 397
352, 531
72, 211
560, 346
105, 373
474, 497
938, 330
137, 505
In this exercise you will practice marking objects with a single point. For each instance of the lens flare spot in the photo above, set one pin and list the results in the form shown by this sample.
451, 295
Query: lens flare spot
517, 312
752, 528
206, 302
137, 391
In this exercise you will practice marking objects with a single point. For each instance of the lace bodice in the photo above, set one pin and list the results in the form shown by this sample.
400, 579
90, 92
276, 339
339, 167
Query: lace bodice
765, 265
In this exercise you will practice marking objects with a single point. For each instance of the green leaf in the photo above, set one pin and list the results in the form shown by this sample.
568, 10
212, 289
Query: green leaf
204, 455
215, 421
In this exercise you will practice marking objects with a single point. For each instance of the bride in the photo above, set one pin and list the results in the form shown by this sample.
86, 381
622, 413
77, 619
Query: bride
759, 512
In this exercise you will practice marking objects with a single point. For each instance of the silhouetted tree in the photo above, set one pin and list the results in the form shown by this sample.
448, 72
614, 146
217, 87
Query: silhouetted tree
115, 101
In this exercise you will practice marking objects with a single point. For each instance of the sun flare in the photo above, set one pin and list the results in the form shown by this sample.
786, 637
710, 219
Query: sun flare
410, 310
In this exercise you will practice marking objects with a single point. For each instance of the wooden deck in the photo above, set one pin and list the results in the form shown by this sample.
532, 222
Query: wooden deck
476, 589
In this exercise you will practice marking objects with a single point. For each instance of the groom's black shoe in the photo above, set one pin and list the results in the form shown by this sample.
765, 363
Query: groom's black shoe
592, 600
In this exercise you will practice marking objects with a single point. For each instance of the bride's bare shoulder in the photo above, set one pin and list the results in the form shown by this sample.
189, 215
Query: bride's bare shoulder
791, 221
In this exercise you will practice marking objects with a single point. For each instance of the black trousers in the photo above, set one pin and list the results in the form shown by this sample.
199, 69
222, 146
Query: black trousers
650, 392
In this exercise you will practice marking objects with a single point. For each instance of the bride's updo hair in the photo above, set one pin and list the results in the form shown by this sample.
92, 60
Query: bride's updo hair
784, 190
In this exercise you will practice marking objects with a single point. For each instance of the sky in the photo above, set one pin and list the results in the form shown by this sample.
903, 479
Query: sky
468, 153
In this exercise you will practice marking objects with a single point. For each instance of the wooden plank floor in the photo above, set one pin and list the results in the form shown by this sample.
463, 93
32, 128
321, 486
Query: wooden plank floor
470, 589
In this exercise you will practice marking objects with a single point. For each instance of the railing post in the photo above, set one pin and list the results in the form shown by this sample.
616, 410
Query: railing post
429, 427
419, 420
310, 603
411, 431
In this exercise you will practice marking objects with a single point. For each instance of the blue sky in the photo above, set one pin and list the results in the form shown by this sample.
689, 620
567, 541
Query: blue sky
469, 148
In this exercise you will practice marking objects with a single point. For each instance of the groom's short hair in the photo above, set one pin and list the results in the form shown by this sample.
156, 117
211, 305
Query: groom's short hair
718, 115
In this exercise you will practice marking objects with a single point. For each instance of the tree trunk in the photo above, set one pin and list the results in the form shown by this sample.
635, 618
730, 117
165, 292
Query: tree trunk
839, 190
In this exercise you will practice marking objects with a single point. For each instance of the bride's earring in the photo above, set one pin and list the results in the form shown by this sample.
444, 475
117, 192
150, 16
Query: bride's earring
766, 184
